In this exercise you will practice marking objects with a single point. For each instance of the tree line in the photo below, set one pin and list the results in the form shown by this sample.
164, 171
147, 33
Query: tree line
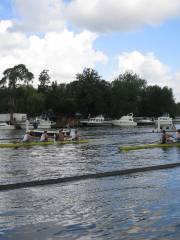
88, 94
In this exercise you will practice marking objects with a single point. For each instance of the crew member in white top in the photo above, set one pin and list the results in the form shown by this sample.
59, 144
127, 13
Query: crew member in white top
44, 137
74, 134
27, 137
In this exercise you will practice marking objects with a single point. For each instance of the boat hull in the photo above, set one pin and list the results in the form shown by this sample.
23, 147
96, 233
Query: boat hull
96, 124
31, 144
145, 123
151, 145
123, 124
6, 127
96, 121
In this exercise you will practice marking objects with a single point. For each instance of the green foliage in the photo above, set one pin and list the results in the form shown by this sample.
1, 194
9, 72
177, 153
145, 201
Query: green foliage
126, 94
177, 111
28, 100
157, 100
56, 98
44, 80
12, 78
92, 93
15, 75
4, 98
87, 94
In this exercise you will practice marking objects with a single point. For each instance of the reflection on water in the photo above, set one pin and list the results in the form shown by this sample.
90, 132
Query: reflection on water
137, 206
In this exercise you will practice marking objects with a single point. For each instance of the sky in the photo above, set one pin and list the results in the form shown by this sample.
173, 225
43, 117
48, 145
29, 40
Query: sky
110, 36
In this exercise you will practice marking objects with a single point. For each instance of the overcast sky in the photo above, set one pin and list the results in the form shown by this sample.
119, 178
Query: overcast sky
111, 36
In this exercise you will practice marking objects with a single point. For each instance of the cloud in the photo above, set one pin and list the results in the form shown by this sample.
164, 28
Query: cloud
120, 15
5, 25
63, 54
38, 15
148, 67
94, 15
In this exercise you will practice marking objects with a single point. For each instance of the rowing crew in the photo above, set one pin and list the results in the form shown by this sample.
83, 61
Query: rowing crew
169, 138
60, 136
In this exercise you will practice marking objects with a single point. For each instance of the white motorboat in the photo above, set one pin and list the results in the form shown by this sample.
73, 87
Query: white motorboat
164, 121
96, 121
6, 126
176, 120
67, 132
38, 123
145, 121
126, 120
43, 123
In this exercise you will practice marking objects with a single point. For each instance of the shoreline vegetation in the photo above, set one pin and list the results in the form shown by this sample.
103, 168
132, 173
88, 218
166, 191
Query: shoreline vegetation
88, 95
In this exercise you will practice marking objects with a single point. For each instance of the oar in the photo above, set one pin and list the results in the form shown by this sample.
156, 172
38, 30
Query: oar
4, 139
157, 141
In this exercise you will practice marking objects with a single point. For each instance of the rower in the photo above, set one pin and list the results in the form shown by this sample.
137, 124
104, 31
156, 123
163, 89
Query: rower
166, 137
74, 134
27, 137
163, 137
177, 135
61, 136
44, 137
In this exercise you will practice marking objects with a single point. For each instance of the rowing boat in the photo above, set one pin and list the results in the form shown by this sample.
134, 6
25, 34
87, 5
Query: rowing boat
150, 145
30, 144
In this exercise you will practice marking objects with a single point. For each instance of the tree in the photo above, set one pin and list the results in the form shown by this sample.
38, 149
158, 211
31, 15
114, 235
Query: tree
177, 112
44, 80
4, 100
29, 100
91, 92
126, 94
12, 78
157, 101
56, 97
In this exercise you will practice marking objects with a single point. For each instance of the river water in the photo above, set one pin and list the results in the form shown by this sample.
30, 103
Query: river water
144, 205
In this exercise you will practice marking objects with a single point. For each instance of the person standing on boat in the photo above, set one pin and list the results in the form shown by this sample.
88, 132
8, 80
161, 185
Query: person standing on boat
27, 137
44, 137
